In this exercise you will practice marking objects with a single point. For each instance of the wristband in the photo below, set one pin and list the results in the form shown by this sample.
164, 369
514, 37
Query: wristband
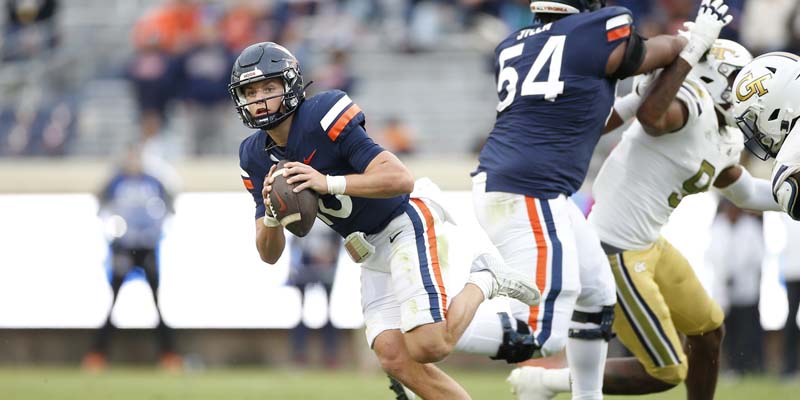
271, 222
336, 184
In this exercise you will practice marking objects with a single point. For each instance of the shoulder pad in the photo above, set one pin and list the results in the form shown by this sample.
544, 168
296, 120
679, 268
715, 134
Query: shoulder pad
336, 110
692, 94
615, 15
616, 22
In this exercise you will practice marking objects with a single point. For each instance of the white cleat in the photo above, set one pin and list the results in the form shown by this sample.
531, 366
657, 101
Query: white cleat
526, 384
507, 282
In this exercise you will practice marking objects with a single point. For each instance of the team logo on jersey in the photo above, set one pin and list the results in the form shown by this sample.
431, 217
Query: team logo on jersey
751, 86
307, 160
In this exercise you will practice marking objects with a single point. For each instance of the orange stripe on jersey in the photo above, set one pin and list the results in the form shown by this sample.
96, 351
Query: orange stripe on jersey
541, 256
342, 121
619, 33
434, 250
248, 184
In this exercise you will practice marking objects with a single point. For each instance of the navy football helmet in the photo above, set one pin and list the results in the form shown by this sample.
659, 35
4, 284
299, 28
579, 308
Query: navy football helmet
565, 6
261, 61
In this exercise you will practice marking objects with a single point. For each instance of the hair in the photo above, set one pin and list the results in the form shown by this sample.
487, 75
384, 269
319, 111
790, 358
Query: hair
546, 18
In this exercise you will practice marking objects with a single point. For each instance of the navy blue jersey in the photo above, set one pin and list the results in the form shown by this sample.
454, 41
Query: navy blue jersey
327, 133
555, 99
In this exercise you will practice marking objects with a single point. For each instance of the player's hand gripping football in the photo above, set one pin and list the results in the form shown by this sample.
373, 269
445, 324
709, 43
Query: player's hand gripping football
711, 18
306, 177
268, 188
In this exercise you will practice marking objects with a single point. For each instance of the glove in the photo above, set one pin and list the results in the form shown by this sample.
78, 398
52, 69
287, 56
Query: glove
711, 18
686, 32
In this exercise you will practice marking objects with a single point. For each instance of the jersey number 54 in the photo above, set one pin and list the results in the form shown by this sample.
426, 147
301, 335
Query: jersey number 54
508, 77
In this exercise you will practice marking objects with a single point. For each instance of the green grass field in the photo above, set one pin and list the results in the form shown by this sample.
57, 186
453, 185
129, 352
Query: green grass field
235, 384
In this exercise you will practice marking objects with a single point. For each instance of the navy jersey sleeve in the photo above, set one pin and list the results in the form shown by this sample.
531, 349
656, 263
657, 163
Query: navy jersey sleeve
601, 33
359, 149
343, 123
250, 176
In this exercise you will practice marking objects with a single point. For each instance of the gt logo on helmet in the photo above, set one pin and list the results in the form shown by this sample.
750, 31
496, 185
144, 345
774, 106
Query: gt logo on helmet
753, 86
720, 52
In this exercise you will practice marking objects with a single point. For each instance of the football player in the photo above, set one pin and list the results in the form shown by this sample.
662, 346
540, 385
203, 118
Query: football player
364, 196
683, 142
767, 106
556, 82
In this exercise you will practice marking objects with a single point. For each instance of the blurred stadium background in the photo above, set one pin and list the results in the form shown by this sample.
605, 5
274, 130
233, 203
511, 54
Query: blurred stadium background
83, 79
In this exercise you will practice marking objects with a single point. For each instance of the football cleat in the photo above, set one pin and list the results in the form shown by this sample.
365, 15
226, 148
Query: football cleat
526, 384
507, 282
518, 344
401, 392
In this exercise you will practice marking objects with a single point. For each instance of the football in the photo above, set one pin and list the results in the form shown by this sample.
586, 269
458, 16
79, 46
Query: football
295, 211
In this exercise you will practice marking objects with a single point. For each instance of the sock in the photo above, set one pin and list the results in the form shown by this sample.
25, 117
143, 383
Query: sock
484, 334
484, 280
557, 380
587, 359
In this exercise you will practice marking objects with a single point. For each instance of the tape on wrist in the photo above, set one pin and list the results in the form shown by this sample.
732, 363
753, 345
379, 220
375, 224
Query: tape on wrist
336, 184
271, 222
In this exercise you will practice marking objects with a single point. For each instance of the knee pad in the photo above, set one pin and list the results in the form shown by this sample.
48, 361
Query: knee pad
518, 345
604, 318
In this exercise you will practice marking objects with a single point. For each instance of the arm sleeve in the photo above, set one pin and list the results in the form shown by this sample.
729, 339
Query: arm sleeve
751, 193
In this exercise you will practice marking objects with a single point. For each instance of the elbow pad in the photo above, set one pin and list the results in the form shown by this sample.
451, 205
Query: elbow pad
787, 194
633, 58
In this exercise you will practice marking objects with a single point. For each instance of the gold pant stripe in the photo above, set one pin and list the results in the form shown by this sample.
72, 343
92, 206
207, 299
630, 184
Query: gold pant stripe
644, 322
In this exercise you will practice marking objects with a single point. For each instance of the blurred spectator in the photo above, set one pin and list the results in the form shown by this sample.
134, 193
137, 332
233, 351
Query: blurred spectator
35, 128
336, 73
397, 137
153, 73
737, 253
790, 263
204, 73
30, 29
134, 205
765, 25
171, 26
313, 261
245, 24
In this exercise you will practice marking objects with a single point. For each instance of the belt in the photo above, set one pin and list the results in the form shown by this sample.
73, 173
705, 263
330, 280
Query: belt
609, 249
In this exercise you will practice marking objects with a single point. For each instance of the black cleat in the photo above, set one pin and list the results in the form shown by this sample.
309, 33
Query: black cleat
398, 389
518, 345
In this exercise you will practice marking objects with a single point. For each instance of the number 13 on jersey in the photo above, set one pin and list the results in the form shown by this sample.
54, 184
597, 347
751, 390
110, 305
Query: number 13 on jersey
508, 77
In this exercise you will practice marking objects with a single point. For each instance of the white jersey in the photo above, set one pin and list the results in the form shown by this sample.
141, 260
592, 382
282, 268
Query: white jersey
787, 162
646, 177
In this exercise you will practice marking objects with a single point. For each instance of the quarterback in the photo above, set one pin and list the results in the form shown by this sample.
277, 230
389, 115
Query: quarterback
365, 197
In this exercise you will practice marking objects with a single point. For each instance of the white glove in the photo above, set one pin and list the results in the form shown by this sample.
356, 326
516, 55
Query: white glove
686, 32
711, 18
